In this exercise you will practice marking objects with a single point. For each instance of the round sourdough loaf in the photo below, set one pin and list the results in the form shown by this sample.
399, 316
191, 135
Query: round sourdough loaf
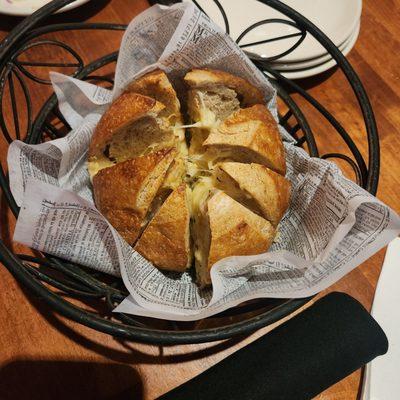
215, 191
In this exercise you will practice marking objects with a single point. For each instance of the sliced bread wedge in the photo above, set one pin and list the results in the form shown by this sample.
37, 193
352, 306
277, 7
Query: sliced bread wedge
233, 230
249, 135
166, 240
256, 186
124, 192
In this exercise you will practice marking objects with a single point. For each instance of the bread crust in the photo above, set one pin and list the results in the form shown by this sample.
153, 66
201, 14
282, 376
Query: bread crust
252, 135
209, 78
270, 190
166, 240
156, 85
125, 191
235, 230
126, 109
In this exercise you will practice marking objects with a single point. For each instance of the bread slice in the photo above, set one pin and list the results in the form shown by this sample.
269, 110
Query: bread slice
206, 110
130, 128
156, 84
125, 111
249, 135
212, 79
233, 230
257, 187
166, 240
124, 192
213, 96
144, 119
210, 106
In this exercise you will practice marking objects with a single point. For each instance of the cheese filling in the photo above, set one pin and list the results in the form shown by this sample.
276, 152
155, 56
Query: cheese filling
97, 164
200, 228
201, 192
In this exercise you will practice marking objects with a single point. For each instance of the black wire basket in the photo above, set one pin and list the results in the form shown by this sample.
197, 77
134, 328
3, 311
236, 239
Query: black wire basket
87, 296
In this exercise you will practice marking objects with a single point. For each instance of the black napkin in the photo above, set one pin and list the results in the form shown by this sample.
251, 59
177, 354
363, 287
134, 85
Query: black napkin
297, 360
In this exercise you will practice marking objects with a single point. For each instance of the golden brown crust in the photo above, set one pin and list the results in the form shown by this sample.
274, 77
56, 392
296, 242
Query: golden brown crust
235, 230
126, 109
166, 240
253, 136
156, 84
210, 78
124, 192
270, 190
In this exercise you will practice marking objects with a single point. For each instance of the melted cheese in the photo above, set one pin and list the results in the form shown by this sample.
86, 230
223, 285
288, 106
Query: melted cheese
200, 193
201, 235
182, 148
192, 169
207, 160
96, 165
199, 255
179, 132
175, 174
208, 118
189, 199
195, 125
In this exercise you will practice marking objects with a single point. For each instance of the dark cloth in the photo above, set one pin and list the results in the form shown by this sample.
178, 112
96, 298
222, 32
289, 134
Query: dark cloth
297, 360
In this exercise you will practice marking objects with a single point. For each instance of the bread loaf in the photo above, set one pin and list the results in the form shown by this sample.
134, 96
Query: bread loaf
217, 191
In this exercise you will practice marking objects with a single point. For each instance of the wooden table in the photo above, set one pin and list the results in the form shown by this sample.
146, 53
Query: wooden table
45, 356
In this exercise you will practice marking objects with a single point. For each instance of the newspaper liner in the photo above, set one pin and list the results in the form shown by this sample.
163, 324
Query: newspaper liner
331, 226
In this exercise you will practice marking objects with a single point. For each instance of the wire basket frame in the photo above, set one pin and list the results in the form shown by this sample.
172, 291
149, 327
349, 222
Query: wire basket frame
52, 278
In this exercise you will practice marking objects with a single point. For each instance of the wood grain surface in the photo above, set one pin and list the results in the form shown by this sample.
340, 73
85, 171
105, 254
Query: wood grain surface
45, 356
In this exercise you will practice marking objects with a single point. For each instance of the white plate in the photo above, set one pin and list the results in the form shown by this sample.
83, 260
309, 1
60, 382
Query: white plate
337, 19
314, 61
27, 7
305, 73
